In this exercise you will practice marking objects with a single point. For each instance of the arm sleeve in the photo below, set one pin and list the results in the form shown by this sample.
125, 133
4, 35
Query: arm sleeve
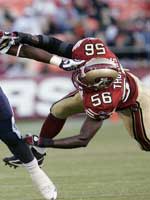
54, 46
47, 43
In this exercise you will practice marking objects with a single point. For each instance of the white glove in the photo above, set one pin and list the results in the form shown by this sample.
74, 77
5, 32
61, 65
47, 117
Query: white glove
66, 64
7, 39
69, 64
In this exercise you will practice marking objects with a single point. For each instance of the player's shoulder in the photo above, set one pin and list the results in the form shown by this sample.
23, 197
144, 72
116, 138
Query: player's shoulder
88, 40
89, 48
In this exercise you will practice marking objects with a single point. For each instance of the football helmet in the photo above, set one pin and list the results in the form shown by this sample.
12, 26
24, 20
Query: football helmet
98, 73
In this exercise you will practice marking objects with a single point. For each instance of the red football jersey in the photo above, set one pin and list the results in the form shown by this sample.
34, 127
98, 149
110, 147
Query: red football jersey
100, 104
88, 48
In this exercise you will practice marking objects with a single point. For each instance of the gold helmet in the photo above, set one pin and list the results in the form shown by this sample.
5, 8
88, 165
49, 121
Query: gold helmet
96, 74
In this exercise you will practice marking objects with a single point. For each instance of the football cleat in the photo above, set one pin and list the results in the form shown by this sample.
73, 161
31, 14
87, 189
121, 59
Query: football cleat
13, 161
38, 156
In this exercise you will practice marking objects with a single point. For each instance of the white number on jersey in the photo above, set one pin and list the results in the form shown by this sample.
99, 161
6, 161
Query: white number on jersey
95, 49
98, 99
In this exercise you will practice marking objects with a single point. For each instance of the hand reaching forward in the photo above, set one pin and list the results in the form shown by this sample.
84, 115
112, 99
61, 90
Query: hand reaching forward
7, 39
66, 64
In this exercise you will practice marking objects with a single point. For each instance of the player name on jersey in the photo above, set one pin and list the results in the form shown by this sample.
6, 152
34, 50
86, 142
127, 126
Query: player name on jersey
118, 81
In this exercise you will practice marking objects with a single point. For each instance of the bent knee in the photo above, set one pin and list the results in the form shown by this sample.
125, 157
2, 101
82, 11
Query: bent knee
59, 110
67, 107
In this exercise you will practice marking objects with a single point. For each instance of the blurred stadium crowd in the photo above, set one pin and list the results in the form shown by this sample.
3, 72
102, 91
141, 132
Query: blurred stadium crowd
123, 25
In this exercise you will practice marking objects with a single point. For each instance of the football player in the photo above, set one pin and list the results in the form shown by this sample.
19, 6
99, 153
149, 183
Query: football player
10, 135
102, 87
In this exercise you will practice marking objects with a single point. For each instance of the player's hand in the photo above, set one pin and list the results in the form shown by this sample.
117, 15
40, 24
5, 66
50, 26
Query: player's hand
18, 37
70, 64
35, 140
7, 39
31, 140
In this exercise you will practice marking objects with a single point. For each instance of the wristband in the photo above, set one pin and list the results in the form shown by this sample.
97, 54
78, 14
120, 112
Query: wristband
55, 60
18, 51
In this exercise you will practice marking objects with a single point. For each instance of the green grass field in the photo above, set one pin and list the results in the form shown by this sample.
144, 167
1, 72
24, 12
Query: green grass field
112, 167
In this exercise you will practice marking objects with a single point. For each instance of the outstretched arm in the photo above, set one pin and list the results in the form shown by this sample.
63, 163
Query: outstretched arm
30, 52
47, 43
7, 46
87, 132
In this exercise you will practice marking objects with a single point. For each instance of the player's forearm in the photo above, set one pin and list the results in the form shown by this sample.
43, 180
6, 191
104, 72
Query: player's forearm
26, 51
29, 52
47, 43
65, 143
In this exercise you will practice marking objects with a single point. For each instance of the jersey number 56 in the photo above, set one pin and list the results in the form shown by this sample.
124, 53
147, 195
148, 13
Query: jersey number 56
94, 49
98, 99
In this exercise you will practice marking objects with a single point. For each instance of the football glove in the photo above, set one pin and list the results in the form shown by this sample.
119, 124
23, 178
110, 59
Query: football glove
66, 64
34, 140
7, 39
69, 64
31, 140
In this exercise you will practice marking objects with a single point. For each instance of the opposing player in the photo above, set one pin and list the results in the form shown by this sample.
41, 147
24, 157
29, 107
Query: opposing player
103, 87
10, 135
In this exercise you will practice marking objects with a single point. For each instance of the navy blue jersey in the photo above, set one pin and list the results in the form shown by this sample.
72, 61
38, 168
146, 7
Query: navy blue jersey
5, 108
